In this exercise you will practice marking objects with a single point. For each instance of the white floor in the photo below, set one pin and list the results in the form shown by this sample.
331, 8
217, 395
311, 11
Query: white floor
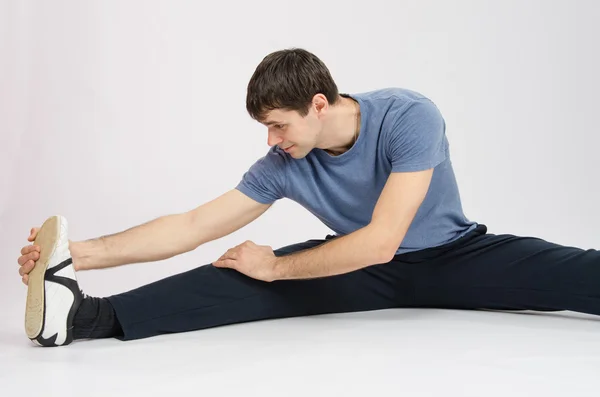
406, 352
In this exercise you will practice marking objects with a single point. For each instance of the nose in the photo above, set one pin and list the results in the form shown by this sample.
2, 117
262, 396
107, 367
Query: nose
273, 139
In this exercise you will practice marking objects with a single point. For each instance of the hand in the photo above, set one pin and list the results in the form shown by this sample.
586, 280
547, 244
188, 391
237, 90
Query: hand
256, 261
29, 255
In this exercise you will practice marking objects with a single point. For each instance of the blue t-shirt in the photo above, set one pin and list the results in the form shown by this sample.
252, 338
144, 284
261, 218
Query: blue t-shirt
401, 131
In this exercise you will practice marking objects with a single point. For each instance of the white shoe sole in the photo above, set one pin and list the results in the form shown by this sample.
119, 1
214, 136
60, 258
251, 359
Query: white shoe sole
53, 295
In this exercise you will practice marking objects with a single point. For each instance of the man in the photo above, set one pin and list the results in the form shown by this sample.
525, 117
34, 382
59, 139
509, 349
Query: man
374, 167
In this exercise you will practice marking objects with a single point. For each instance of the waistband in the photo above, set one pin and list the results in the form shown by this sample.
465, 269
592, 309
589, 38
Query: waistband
432, 252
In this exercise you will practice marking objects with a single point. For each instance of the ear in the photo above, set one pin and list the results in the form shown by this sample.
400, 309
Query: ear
320, 104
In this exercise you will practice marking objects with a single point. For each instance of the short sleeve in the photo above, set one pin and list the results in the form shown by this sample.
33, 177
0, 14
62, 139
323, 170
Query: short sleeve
417, 140
265, 179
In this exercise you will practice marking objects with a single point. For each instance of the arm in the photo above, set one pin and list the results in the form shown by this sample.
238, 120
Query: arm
169, 235
375, 243
414, 145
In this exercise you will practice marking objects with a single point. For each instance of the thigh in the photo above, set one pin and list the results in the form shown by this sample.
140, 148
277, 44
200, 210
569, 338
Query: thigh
512, 272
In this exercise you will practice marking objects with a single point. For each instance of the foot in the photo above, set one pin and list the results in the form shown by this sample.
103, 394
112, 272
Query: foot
53, 294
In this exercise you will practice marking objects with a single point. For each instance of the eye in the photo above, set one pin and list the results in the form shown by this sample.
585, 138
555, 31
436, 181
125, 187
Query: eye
279, 126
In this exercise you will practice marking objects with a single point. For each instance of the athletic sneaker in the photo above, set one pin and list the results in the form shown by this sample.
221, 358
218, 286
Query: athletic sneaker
53, 294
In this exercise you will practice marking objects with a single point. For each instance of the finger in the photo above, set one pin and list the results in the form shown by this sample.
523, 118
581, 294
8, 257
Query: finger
32, 256
225, 263
230, 254
25, 279
33, 233
220, 263
244, 244
26, 268
29, 248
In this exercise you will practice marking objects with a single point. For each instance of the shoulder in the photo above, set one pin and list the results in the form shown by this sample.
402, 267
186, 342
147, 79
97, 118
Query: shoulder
274, 155
265, 180
389, 107
272, 164
393, 95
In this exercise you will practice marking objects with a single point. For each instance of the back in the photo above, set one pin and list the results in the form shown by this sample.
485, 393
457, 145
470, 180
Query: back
400, 131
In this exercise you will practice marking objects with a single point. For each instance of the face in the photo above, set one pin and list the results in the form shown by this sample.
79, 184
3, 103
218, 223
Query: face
293, 133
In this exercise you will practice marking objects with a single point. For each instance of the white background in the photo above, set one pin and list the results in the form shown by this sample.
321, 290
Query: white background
113, 113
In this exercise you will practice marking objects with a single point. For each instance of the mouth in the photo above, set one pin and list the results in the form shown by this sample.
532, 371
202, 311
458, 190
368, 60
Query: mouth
288, 148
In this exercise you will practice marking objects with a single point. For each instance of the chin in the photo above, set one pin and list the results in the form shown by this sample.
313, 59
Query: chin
298, 154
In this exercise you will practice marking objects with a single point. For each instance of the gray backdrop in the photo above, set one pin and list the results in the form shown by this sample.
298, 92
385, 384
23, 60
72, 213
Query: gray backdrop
114, 113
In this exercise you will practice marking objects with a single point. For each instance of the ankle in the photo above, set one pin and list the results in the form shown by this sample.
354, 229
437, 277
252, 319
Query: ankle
96, 318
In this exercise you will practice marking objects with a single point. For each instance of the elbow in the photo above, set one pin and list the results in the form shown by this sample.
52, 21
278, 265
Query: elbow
386, 255
383, 247
385, 251
192, 236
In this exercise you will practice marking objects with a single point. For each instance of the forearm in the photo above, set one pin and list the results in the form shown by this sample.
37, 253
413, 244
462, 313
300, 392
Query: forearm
158, 239
354, 251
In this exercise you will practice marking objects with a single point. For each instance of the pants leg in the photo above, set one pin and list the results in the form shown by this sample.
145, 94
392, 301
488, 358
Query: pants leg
507, 272
208, 296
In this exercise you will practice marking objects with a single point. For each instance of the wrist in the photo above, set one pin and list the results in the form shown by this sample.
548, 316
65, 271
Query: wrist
278, 269
81, 254
74, 249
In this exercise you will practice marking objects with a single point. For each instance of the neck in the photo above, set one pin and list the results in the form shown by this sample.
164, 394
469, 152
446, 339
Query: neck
342, 129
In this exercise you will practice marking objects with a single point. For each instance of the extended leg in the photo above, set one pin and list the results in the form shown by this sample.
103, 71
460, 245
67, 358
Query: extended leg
508, 272
208, 296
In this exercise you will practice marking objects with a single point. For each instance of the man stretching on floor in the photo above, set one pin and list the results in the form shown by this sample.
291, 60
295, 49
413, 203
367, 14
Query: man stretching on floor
374, 167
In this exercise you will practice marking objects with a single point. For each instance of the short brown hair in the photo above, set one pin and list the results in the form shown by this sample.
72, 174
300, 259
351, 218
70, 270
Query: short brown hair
288, 79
